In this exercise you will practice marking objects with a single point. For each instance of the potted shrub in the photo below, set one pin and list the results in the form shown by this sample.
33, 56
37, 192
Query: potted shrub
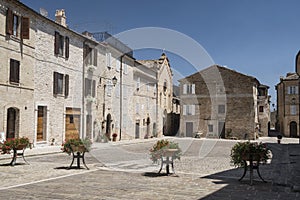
279, 137
244, 151
164, 147
77, 145
115, 135
15, 144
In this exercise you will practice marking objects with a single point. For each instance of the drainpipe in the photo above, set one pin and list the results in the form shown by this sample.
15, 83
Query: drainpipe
121, 94
83, 82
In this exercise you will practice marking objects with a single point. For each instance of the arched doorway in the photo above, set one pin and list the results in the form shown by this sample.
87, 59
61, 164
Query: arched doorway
12, 123
293, 129
108, 126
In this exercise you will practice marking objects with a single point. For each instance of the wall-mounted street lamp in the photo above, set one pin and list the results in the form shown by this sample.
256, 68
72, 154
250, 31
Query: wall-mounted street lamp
114, 80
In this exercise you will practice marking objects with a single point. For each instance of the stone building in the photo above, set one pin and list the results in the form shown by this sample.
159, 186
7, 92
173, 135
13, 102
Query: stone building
17, 50
164, 94
57, 84
220, 102
58, 80
288, 103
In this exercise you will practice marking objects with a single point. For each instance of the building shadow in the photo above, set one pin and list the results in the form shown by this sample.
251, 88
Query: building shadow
280, 175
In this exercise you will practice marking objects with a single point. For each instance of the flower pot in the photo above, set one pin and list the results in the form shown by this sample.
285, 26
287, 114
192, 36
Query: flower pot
21, 146
80, 148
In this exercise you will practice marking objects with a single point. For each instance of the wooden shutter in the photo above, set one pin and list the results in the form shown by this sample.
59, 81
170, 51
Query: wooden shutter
193, 88
184, 88
56, 43
17, 71
11, 71
67, 47
95, 56
55, 82
184, 109
66, 85
94, 88
9, 22
25, 23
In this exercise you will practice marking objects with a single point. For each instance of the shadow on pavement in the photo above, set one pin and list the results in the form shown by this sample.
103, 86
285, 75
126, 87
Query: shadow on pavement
281, 174
154, 174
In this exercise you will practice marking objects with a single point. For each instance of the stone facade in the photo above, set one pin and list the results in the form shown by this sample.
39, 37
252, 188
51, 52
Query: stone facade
164, 94
288, 105
219, 102
17, 72
70, 85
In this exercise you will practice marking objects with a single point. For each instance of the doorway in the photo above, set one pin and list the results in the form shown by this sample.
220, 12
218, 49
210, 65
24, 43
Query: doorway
137, 130
221, 127
108, 126
293, 129
41, 123
189, 129
12, 123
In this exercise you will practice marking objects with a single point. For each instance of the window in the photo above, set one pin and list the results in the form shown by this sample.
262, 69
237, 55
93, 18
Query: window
261, 109
221, 109
13, 23
90, 55
108, 60
292, 89
89, 87
188, 109
165, 86
188, 88
210, 128
293, 109
118, 65
59, 43
61, 84
137, 108
125, 68
138, 82
14, 72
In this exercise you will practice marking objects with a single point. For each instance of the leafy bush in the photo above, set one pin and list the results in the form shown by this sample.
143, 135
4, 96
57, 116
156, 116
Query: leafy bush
76, 142
246, 150
13, 143
156, 152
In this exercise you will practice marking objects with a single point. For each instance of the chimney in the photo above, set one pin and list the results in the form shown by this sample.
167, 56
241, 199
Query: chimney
60, 17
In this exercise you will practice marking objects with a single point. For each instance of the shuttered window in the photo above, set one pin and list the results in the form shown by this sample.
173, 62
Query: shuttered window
188, 88
61, 42
88, 87
14, 21
60, 84
90, 55
14, 72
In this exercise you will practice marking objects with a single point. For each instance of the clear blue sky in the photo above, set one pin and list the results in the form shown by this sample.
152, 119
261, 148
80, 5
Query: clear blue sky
255, 37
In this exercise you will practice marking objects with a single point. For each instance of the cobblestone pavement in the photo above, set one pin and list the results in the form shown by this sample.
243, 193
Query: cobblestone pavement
124, 171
